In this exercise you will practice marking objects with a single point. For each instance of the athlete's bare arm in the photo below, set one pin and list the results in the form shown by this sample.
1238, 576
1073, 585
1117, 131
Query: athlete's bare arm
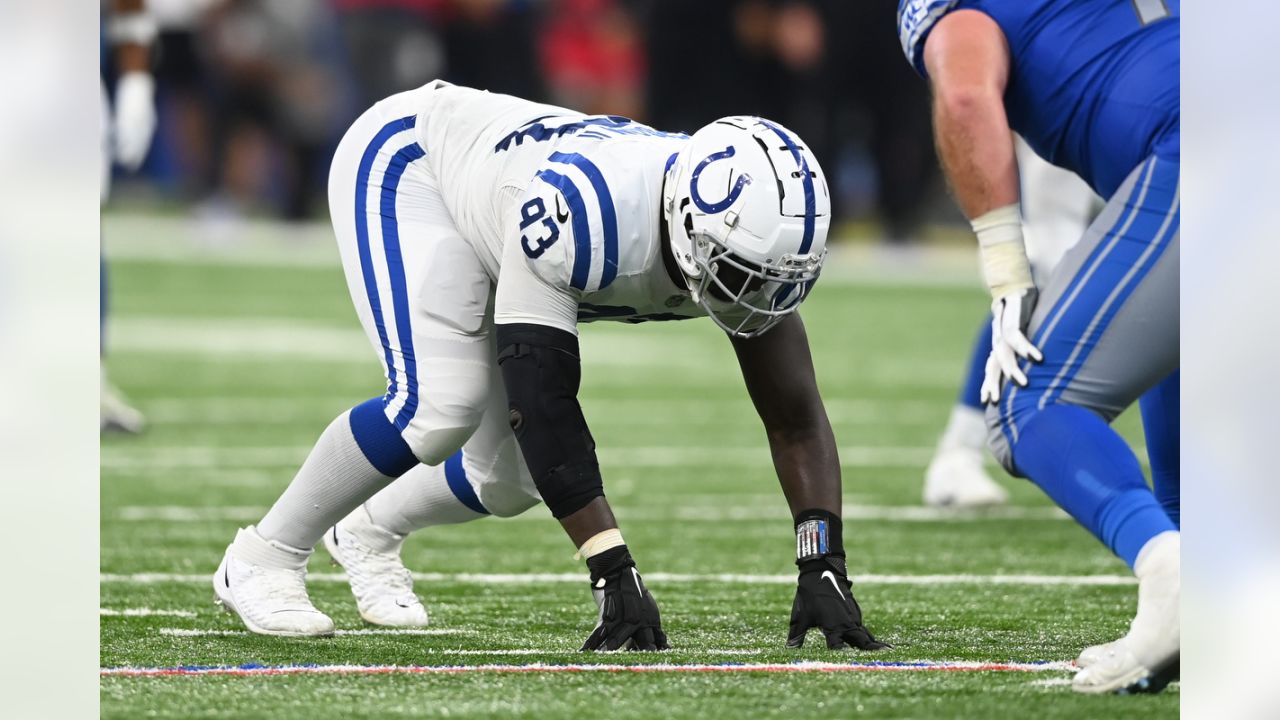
968, 63
778, 370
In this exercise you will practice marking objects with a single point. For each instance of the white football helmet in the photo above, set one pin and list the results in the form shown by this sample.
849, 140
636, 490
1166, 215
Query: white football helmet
747, 212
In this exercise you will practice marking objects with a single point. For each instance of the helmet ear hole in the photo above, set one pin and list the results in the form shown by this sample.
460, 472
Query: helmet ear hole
688, 224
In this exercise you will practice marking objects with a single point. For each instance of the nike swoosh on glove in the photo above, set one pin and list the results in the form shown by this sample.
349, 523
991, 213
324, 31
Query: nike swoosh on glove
629, 617
824, 599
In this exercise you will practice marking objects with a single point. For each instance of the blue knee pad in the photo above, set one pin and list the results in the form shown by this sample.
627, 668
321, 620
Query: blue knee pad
1089, 471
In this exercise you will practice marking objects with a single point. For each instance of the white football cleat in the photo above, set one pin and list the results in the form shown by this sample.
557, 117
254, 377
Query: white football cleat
956, 478
1095, 654
269, 600
115, 413
1146, 659
382, 585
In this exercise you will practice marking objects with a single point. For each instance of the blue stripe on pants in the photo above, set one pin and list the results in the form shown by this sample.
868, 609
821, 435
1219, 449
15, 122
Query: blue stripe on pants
395, 272
456, 476
362, 238
1113, 270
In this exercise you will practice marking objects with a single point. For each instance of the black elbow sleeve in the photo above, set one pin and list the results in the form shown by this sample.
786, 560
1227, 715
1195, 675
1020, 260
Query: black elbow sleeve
542, 370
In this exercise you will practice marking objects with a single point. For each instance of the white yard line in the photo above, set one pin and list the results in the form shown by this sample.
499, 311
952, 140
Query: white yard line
143, 612
170, 457
773, 511
674, 578
188, 632
235, 410
792, 667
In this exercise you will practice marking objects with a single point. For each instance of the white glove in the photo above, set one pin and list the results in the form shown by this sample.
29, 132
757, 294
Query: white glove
135, 118
1008, 275
1009, 316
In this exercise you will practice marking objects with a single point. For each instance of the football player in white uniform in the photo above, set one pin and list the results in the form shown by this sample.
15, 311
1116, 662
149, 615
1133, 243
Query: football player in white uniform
127, 130
476, 231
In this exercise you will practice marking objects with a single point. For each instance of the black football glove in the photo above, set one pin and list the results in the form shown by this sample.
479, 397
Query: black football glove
824, 599
629, 618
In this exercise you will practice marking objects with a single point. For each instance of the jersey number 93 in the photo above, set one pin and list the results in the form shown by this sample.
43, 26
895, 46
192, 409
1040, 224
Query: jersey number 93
530, 213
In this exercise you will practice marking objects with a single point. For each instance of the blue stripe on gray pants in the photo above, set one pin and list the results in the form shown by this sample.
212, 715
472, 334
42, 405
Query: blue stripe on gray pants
1073, 331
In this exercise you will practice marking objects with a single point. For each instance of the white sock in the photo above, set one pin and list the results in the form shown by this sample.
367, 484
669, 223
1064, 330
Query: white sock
335, 478
252, 548
371, 535
1154, 632
420, 498
966, 429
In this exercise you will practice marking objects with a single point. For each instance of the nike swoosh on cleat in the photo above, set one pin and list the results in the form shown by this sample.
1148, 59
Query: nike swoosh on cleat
636, 576
831, 576
226, 576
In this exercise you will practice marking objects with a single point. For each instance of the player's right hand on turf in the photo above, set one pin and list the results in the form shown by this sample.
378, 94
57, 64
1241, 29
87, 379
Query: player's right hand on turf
629, 618
824, 600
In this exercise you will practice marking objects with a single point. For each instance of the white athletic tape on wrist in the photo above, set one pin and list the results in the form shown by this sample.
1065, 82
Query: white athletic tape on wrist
1004, 253
600, 542
136, 28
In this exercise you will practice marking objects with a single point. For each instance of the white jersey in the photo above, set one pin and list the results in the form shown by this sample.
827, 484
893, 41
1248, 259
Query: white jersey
562, 209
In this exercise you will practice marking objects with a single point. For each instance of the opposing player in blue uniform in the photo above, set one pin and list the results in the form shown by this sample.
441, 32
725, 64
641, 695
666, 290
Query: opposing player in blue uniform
1092, 85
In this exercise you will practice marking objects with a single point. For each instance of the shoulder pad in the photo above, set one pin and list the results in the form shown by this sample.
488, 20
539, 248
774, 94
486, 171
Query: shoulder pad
569, 224
916, 19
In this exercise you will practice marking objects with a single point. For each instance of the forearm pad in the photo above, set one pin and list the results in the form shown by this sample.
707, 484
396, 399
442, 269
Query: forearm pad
542, 370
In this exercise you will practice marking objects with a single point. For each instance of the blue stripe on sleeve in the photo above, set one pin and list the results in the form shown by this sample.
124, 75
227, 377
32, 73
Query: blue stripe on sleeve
806, 179
456, 476
362, 237
581, 229
608, 215
395, 272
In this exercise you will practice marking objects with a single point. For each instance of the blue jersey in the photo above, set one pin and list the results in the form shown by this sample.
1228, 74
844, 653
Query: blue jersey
1093, 84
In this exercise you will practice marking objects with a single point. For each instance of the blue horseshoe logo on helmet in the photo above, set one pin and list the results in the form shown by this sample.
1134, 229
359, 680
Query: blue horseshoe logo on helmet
715, 207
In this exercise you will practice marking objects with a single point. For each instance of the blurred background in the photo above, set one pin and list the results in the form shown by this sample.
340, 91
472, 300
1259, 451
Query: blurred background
253, 95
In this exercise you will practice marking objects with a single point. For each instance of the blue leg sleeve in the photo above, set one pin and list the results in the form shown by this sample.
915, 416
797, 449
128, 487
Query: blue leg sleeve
1161, 420
379, 439
970, 392
1089, 470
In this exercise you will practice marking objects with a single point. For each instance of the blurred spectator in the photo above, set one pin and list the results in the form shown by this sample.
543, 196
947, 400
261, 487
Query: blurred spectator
593, 58
254, 94
490, 44
831, 70
393, 45
279, 98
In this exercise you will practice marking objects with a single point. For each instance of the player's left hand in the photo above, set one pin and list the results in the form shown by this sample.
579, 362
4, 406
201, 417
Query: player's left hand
629, 617
1010, 314
824, 599
135, 118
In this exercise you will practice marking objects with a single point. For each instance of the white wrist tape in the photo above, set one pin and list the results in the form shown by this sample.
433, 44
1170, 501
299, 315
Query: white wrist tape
1004, 254
135, 28
600, 542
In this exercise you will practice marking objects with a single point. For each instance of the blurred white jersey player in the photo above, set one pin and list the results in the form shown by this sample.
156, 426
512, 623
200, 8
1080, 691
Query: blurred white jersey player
127, 129
1057, 207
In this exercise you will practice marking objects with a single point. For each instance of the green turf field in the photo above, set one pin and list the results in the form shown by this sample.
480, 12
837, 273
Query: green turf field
240, 363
